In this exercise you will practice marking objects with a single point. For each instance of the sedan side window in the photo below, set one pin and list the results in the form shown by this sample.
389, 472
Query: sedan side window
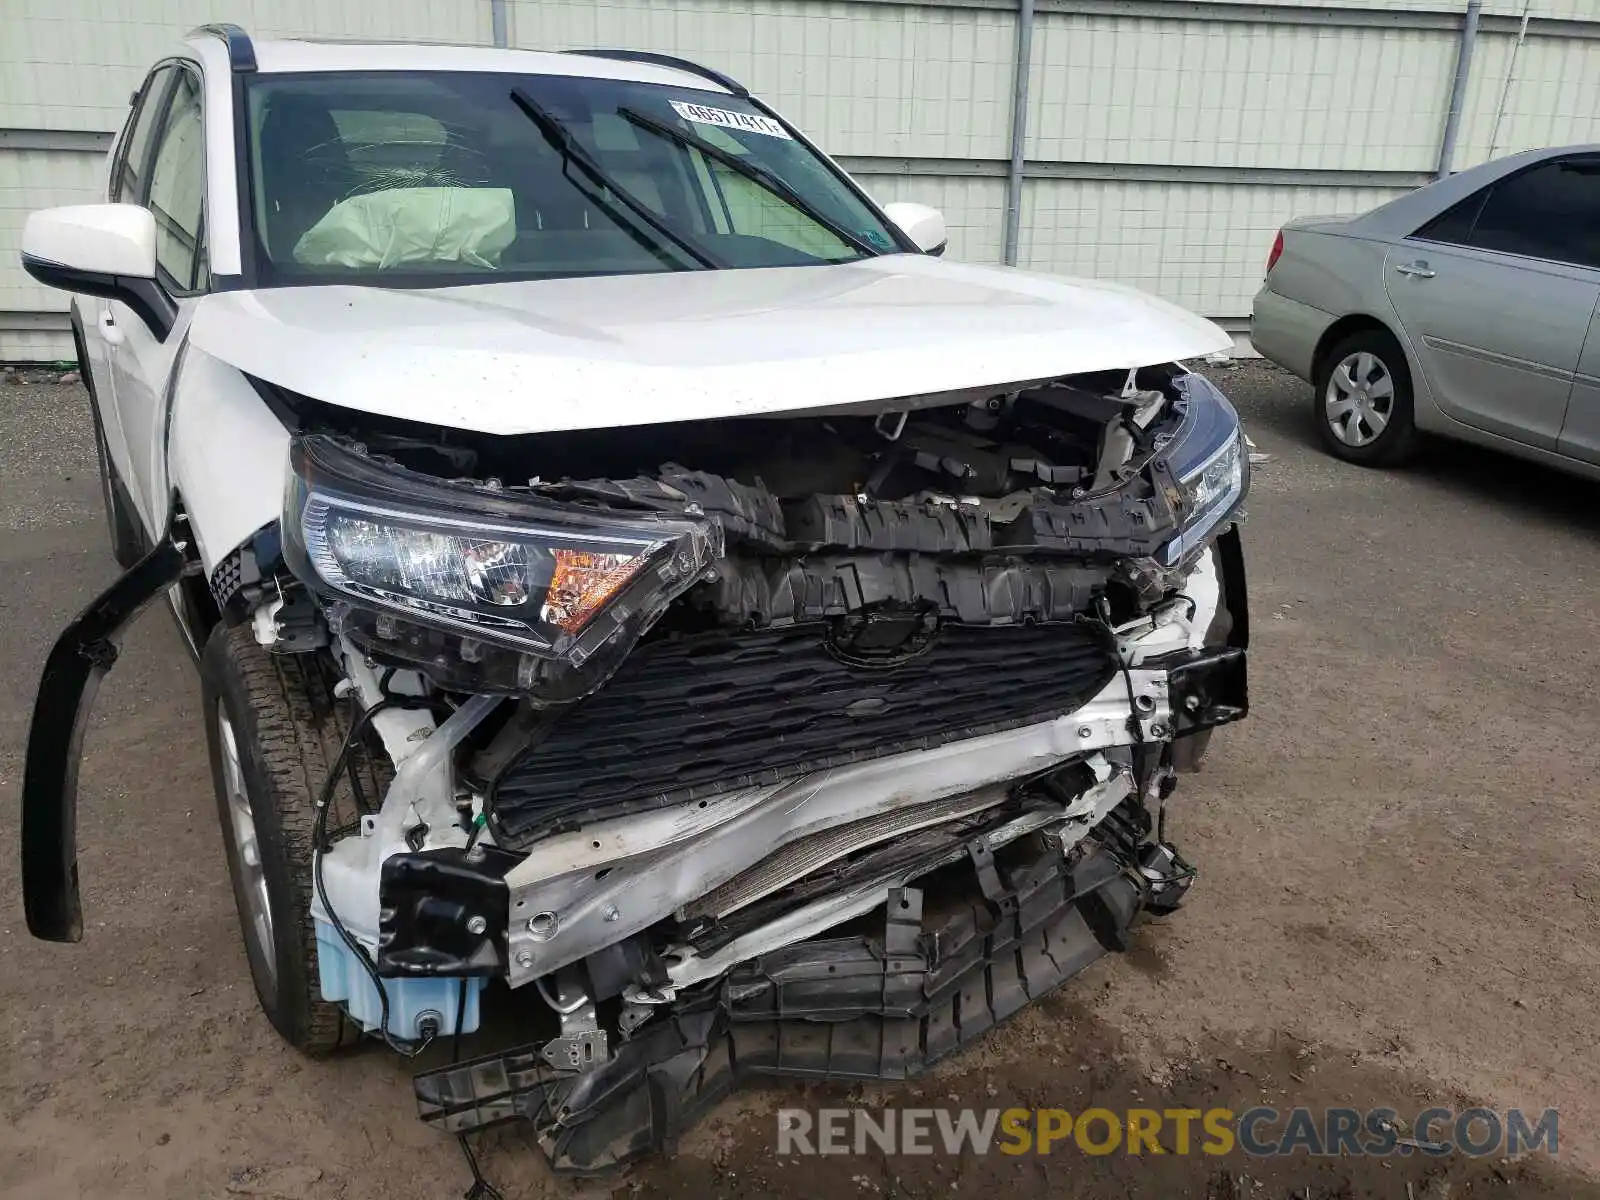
1454, 224
128, 172
1551, 211
177, 183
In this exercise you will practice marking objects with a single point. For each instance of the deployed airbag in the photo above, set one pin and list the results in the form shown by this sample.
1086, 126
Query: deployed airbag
404, 226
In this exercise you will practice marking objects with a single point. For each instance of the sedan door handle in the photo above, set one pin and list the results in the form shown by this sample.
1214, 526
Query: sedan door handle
1418, 269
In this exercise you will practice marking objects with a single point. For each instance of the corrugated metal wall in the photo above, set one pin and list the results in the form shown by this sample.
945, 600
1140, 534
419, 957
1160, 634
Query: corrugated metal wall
1166, 139
67, 68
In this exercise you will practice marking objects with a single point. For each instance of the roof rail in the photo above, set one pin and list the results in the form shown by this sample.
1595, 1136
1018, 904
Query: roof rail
668, 60
241, 51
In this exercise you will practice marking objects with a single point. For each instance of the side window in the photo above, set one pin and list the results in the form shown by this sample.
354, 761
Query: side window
127, 173
1454, 224
1551, 211
177, 183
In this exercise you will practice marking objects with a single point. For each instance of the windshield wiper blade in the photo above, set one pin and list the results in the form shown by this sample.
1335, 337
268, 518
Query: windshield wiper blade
755, 174
573, 151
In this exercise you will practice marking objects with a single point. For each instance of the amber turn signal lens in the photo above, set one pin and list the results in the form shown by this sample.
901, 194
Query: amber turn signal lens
582, 583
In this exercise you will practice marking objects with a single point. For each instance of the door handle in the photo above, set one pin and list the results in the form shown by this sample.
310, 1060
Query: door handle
1418, 269
108, 328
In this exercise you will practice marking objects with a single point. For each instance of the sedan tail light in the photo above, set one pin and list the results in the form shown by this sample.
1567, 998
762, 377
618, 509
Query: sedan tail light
1276, 252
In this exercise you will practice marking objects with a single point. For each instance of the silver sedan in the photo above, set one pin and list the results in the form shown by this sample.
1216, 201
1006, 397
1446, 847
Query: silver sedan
1466, 308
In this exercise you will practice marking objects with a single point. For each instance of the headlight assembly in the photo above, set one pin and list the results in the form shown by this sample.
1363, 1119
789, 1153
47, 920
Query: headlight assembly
499, 568
1208, 461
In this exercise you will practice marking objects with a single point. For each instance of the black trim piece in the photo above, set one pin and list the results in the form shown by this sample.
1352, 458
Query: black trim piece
84, 652
428, 904
1235, 592
244, 190
241, 51
668, 60
227, 577
148, 300
1208, 690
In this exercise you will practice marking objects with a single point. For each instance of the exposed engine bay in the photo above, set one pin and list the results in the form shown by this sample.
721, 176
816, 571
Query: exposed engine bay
810, 744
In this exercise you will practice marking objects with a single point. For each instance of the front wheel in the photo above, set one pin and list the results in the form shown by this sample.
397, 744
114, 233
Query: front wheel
274, 730
1363, 400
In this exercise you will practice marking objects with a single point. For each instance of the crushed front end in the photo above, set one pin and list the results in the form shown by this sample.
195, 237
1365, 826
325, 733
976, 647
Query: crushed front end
804, 745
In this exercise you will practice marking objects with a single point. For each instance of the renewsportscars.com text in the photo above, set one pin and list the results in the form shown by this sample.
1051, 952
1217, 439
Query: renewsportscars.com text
1261, 1131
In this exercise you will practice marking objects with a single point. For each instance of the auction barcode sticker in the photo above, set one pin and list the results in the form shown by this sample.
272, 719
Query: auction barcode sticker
728, 119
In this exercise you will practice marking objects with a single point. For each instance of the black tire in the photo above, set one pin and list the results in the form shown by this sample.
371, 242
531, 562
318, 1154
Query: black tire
128, 543
1359, 442
288, 730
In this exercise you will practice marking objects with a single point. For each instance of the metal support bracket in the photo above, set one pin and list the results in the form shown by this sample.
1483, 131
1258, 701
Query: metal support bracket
994, 891
903, 925
583, 1045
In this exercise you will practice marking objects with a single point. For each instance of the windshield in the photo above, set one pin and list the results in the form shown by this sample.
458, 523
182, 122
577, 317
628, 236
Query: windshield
436, 178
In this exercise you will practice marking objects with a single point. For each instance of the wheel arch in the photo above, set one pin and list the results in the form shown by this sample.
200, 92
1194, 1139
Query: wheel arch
192, 604
1343, 328
1383, 447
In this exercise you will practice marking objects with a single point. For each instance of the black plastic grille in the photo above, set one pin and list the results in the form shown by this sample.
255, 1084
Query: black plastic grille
227, 577
690, 717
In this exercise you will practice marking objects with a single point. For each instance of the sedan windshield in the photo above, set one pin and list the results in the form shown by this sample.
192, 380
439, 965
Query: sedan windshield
436, 178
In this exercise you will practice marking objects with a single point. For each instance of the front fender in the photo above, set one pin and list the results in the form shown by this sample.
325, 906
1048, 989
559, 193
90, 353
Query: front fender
227, 454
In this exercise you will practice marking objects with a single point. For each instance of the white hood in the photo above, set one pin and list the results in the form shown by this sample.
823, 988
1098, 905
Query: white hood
588, 353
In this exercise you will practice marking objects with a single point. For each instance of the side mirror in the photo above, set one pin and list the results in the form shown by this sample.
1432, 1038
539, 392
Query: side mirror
923, 225
106, 250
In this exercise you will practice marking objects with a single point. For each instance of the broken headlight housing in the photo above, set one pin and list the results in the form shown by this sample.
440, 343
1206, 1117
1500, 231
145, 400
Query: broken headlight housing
446, 574
1207, 460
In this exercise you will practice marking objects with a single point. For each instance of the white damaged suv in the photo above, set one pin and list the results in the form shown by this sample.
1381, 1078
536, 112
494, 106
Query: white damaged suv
626, 562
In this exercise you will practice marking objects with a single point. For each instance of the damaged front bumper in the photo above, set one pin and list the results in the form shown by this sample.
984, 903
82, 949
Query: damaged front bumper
709, 862
860, 923
929, 972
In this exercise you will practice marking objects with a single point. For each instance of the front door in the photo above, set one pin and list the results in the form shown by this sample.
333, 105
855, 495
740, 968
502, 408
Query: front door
104, 322
143, 361
1580, 435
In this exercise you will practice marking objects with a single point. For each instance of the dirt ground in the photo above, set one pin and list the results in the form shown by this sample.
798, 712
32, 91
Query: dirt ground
1397, 902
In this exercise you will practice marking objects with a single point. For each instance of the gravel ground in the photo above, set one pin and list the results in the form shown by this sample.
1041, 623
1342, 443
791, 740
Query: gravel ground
1397, 903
